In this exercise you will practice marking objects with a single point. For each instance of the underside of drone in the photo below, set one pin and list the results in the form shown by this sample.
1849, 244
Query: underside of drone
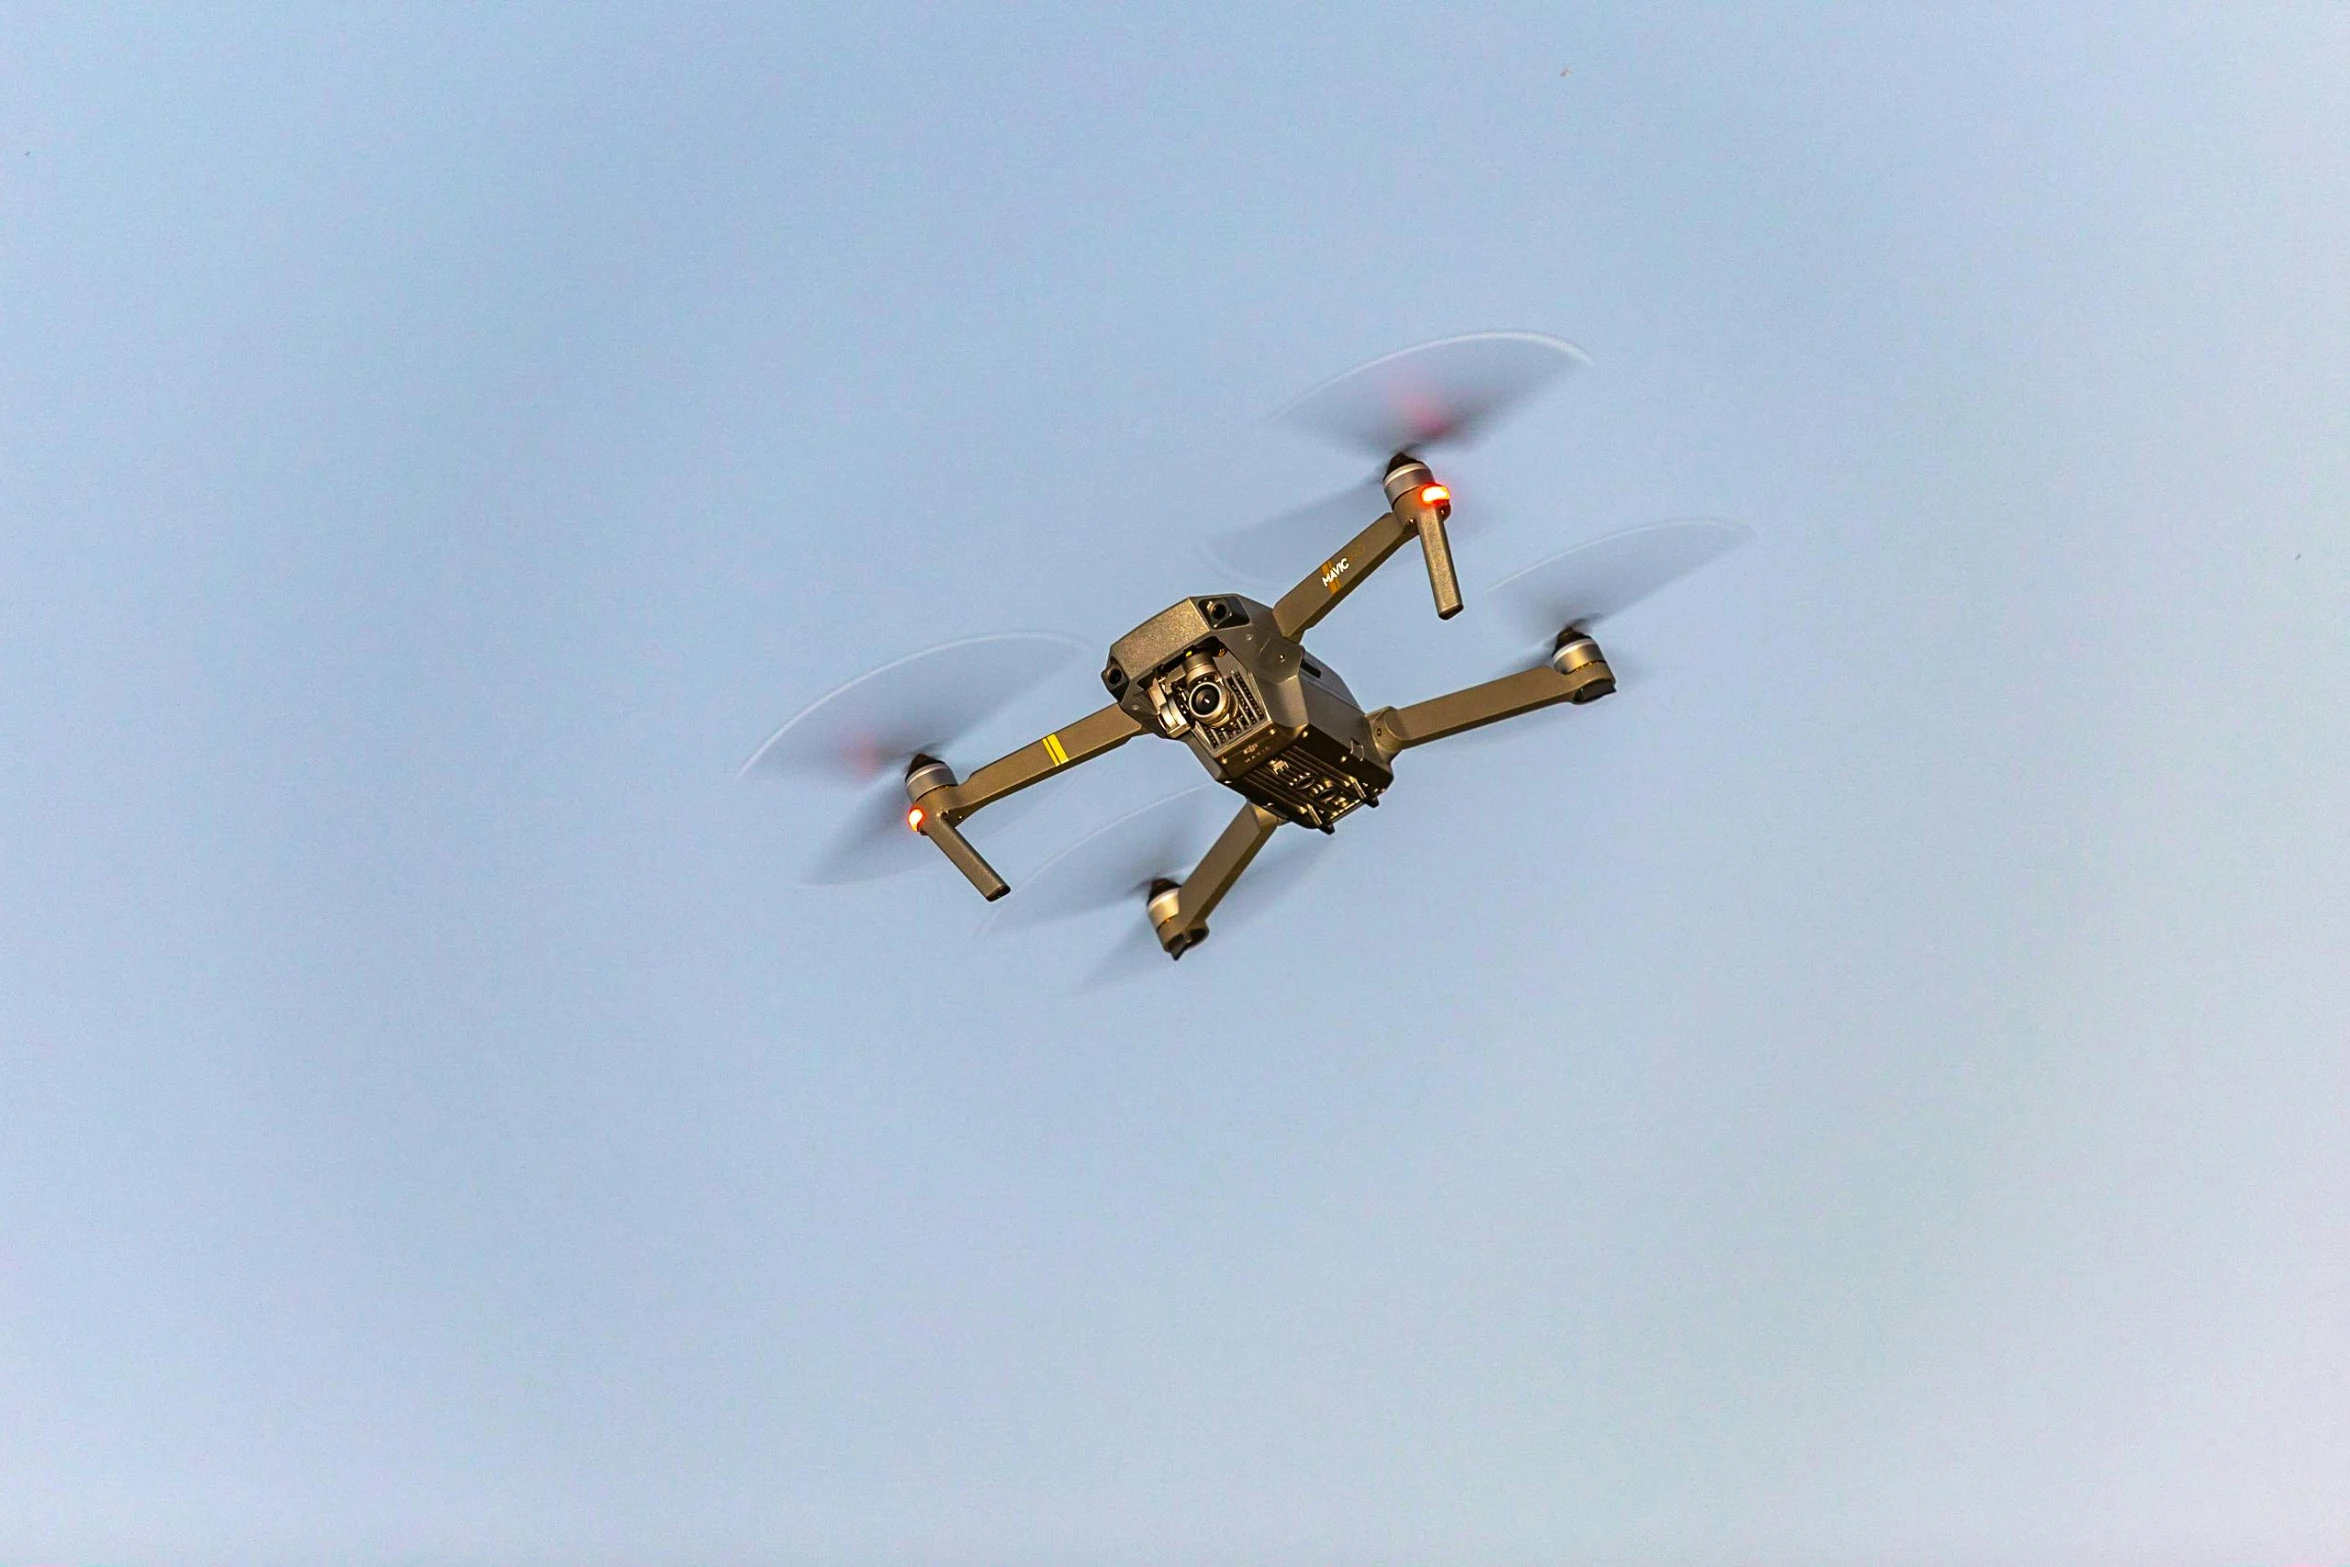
1231, 679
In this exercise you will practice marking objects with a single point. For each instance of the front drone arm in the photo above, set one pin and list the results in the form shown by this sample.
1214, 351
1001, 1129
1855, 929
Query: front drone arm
1097, 732
940, 804
1303, 606
1417, 507
1577, 672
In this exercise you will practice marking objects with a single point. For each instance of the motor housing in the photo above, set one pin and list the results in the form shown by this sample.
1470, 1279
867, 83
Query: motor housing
1575, 654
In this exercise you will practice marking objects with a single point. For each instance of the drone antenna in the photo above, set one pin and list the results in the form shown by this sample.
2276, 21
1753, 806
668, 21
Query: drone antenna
1421, 504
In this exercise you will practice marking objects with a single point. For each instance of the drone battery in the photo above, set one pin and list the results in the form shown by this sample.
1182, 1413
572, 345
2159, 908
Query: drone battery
1312, 781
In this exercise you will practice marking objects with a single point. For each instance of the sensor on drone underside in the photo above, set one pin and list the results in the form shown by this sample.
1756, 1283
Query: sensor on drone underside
1261, 714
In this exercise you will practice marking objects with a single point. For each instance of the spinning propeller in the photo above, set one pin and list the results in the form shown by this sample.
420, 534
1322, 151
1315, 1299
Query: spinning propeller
1576, 589
1453, 389
861, 736
1450, 392
1110, 873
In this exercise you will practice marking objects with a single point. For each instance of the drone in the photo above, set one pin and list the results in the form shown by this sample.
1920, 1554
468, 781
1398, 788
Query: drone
1230, 677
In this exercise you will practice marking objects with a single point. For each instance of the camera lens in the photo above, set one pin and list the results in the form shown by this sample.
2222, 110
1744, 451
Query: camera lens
1207, 701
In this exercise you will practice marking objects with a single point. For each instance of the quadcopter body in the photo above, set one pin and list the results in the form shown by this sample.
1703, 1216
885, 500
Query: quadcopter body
1232, 679
1263, 716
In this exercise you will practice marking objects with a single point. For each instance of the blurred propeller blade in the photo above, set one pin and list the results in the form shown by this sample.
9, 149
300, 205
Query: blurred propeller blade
1114, 864
1284, 548
1607, 576
873, 842
1109, 871
1454, 389
1137, 955
925, 701
1281, 550
1279, 867
862, 734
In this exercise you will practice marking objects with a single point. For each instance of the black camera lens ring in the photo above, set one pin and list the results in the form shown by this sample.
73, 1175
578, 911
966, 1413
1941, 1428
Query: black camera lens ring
1207, 701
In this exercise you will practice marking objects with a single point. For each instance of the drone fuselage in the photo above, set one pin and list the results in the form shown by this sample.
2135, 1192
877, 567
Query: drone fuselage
1265, 717
1228, 677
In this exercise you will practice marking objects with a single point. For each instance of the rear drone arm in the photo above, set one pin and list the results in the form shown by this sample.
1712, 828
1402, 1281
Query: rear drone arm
1577, 672
1418, 507
940, 804
1180, 913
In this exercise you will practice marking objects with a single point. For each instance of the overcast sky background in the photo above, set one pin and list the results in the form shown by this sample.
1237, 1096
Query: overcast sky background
1877, 1091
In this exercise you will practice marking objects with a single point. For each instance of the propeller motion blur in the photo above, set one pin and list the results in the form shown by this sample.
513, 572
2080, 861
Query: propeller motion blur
1230, 678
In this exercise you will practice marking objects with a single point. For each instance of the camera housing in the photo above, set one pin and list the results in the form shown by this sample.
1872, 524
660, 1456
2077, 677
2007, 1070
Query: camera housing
1262, 714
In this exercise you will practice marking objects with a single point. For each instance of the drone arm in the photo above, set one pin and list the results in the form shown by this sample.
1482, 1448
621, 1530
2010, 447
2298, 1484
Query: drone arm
1303, 606
942, 804
1082, 741
1396, 729
1186, 925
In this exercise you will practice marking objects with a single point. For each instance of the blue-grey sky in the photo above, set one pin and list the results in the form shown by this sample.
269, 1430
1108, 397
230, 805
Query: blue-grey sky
1872, 1092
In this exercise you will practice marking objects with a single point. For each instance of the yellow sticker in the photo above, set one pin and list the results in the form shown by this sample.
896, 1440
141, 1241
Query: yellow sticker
1335, 573
1052, 748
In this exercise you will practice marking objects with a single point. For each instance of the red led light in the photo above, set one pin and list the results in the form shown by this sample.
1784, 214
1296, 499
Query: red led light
1434, 495
914, 819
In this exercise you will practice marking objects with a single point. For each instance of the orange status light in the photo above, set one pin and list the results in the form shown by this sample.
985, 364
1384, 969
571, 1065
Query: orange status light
1434, 495
914, 819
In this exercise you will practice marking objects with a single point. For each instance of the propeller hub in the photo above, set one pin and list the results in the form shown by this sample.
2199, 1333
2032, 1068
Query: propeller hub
1165, 906
1405, 473
925, 773
1577, 655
